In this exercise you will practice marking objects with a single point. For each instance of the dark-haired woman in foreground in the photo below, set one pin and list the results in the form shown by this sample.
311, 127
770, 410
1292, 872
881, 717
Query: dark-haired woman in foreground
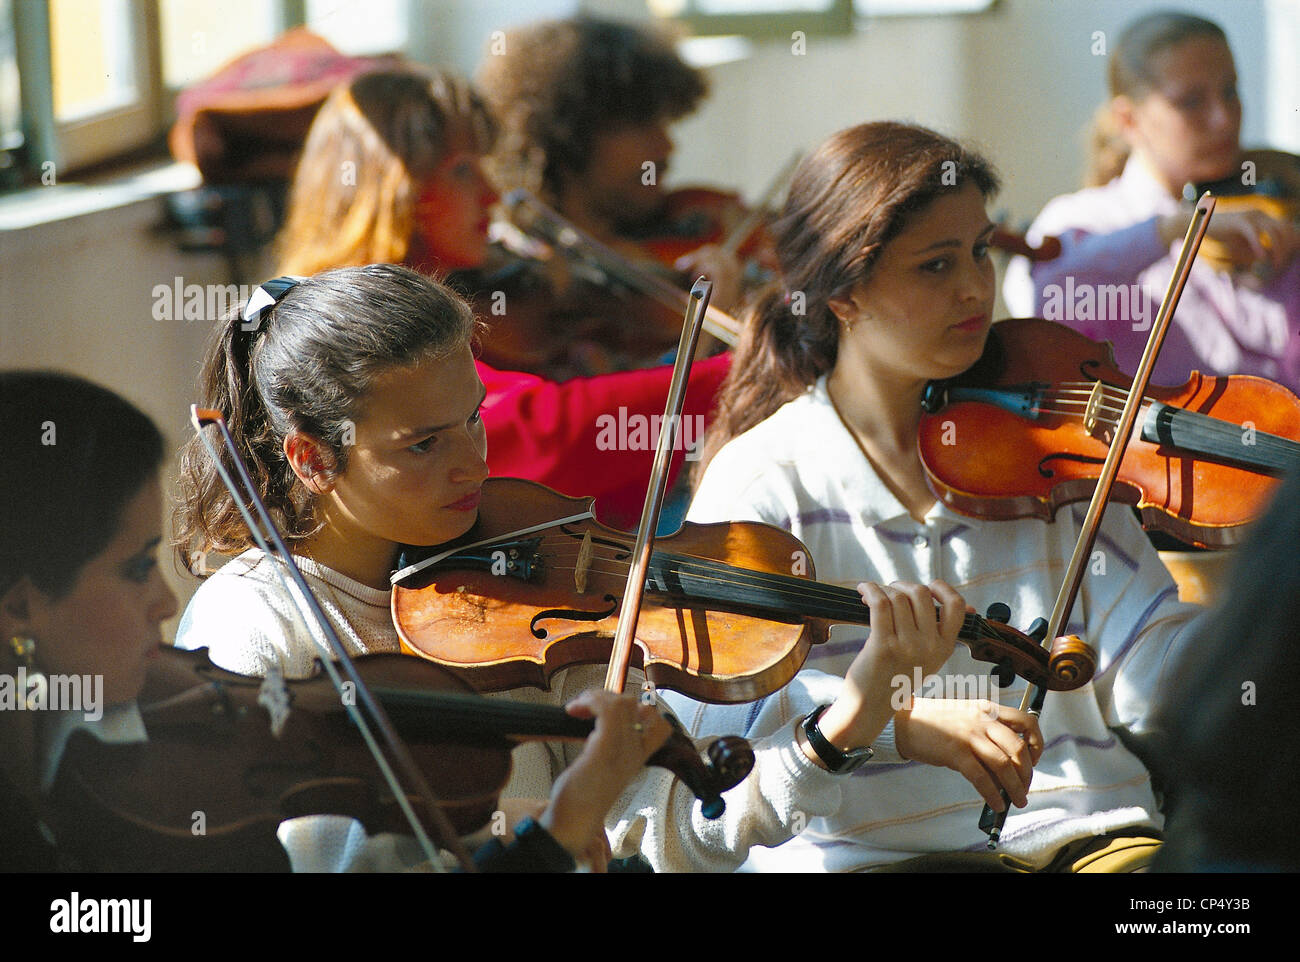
80, 590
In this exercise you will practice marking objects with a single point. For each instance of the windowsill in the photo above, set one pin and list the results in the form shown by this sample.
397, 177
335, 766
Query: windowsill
42, 205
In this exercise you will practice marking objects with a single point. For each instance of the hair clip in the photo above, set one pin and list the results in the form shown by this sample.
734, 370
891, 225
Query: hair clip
268, 294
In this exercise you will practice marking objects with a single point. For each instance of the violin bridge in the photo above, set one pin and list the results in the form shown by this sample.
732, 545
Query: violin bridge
1094, 419
584, 563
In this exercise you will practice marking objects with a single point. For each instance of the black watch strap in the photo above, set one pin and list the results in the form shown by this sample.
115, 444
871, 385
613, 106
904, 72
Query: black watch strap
837, 761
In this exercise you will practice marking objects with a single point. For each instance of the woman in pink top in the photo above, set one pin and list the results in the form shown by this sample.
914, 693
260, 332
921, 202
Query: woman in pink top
1176, 120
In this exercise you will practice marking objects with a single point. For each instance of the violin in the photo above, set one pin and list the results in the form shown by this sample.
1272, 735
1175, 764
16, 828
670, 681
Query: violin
731, 610
608, 267
694, 216
213, 781
1027, 428
546, 320
1273, 188
1018, 244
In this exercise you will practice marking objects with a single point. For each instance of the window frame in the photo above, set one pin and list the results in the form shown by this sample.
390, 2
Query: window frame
78, 144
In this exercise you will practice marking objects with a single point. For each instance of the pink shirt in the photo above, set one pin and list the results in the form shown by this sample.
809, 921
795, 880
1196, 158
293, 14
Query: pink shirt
1112, 273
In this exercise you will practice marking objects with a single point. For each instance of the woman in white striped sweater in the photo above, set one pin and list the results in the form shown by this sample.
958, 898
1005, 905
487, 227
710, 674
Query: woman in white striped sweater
886, 285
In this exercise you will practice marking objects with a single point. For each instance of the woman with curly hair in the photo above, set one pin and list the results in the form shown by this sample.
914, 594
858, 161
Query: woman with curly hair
585, 105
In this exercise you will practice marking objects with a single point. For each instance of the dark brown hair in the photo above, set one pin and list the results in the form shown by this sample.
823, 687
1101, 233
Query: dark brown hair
559, 83
309, 366
849, 198
72, 455
1129, 74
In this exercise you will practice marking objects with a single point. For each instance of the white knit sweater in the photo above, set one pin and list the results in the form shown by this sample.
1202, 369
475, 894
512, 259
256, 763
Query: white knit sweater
801, 470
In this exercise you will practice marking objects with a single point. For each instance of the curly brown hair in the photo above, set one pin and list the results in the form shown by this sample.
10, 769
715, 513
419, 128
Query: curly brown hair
555, 85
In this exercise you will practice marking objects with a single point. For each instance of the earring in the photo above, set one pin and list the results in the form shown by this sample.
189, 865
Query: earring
25, 650
36, 686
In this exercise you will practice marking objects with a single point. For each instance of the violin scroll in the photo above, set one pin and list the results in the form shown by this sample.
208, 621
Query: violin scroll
1072, 662
730, 759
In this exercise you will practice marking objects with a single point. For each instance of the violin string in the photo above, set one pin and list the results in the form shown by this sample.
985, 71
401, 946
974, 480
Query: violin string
700, 568
735, 577
739, 578
845, 601
853, 610
1109, 410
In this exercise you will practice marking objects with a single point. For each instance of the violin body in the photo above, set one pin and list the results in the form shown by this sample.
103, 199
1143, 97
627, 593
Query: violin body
546, 319
500, 631
211, 784
695, 216
729, 614
987, 461
1274, 189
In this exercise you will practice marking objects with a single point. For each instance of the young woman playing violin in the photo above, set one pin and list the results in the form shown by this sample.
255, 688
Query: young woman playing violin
355, 404
1174, 118
392, 173
887, 284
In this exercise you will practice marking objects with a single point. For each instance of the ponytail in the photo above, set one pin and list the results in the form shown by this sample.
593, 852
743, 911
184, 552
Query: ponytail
781, 351
1107, 149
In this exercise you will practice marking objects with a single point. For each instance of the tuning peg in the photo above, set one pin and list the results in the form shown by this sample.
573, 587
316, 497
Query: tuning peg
1038, 630
1003, 673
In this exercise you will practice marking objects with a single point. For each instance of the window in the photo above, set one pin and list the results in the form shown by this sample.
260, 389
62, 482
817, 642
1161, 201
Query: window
769, 18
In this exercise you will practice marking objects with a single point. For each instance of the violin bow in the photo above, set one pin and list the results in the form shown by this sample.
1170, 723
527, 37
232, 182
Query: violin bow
620, 657
992, 822
332, 650
749, 223
538, 220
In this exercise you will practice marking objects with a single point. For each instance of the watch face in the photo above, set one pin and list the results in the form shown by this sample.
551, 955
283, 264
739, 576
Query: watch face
855, 759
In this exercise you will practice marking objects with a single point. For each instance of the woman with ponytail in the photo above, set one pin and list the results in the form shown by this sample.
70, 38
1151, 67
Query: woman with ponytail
886, 283
1173, 119
353, 398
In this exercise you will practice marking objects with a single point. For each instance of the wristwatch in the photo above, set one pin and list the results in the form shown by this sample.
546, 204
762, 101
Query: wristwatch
841, 763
